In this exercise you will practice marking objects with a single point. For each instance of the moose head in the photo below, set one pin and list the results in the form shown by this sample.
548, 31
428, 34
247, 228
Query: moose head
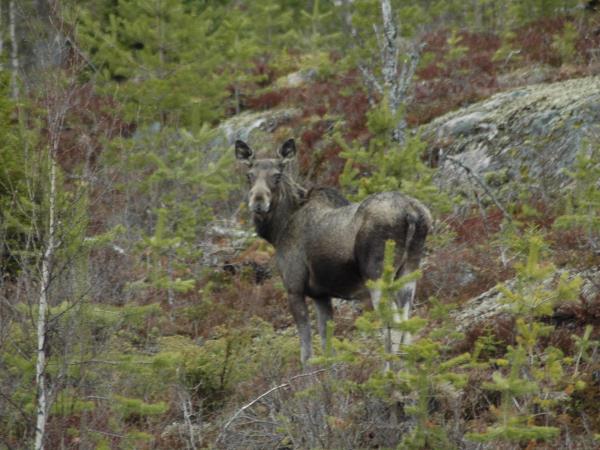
264, 175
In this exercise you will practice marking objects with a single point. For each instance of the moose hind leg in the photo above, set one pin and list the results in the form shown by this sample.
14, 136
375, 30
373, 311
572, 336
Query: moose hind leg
404, 300
324, 315
415, 243
299, 310
392, 338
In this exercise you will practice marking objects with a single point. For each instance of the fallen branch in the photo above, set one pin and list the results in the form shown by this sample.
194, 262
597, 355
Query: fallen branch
260, 397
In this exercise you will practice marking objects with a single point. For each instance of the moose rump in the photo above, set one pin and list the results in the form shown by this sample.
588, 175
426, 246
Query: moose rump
328, 247
345, 246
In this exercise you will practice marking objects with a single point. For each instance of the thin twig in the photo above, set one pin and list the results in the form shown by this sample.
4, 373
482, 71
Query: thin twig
263, 395
107, 433
481, 183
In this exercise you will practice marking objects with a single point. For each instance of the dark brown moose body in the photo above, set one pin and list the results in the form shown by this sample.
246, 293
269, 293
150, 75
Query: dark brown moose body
328, 247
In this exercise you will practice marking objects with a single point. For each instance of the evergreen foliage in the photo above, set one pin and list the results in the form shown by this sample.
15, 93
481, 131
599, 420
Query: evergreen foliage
152, 330
423, 371
533, 374
177, 177
564, 44
163, 57
384, 165
15, 223
583, 203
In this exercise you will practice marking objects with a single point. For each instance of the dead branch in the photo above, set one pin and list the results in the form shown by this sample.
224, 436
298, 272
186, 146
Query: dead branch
481, 183
395, 77
261, 396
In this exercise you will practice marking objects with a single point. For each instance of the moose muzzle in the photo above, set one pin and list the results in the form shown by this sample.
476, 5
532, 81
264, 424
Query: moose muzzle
260, 198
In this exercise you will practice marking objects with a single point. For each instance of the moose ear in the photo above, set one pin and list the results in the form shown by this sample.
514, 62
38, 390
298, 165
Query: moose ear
287, 150
243, 152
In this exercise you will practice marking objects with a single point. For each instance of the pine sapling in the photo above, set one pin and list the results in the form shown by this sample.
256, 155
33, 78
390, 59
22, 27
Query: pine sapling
530, 376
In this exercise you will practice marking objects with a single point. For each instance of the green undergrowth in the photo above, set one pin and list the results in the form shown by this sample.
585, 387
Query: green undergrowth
527, 392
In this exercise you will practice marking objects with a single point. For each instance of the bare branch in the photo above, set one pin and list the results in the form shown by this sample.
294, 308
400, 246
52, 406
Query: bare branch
481, 183
371, 82
395, 77
373, 86
263, 395
401, 88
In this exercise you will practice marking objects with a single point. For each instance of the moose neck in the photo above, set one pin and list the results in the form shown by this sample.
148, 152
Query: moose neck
272, 226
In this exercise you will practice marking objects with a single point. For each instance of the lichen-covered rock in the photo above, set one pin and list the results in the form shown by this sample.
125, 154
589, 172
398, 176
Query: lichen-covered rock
530, 134
489, 306
526, 76
256, 127
296, 79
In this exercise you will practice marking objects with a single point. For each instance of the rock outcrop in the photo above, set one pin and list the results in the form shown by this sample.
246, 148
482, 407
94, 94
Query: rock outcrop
256, 128
527, 135
488, 306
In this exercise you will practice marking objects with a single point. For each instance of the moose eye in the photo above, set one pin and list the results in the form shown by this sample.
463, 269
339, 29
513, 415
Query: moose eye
276, 177
250, 177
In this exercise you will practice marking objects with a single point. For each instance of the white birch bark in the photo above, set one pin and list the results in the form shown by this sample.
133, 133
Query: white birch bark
14, 56
56, 117
1, 36
40, 368
186, 406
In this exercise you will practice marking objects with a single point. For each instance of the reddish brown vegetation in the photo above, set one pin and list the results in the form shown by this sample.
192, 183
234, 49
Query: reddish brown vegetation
91, 118
237, 299
265, 72
341, 97
444, 85
267, 100
468, 265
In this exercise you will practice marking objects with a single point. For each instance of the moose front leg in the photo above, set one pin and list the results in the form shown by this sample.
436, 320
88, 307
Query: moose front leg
324, 315
299, 310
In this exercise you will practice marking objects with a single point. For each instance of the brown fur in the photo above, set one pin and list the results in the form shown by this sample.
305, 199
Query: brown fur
326, 246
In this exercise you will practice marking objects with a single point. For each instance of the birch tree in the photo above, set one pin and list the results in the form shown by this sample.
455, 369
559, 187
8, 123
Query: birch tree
42, 123
1, 36
57, 103
40, 371
14, 55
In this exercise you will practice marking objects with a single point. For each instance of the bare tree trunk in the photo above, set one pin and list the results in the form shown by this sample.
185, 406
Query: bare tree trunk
14, 56
40, 369
56, 114
236, 91
188, 413
397, 82
396, 76
1, 36
170, 274
389, 67
389, 48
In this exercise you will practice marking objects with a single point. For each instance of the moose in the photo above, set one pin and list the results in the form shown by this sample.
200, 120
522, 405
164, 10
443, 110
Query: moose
329, 247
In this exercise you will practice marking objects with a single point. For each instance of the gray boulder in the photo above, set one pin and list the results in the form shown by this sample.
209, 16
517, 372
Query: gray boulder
488, 306
255, 127
528, 135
